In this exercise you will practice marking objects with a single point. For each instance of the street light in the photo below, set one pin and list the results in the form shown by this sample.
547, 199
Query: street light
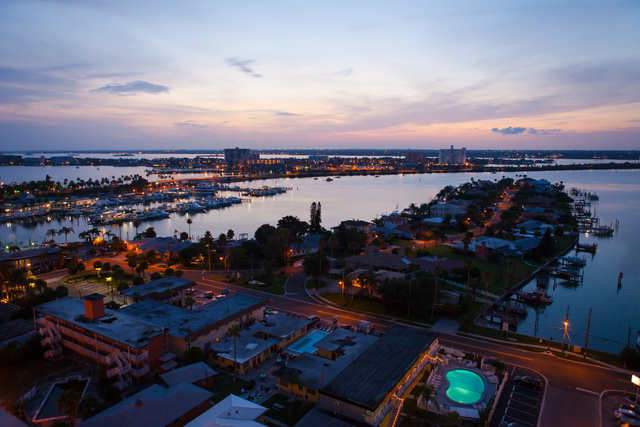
566, 323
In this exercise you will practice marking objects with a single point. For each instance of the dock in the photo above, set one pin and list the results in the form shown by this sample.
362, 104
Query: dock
584, 247
569, 274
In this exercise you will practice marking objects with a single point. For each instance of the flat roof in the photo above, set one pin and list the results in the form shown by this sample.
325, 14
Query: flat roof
346, 342
159, 286
280, 325
188, 374
117, 325
367, 379
314, 371
247, 346
153, 406
180, 321
320, 417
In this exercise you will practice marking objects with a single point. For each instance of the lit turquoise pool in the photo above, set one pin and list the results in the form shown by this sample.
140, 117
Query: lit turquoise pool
305, 345
465, 387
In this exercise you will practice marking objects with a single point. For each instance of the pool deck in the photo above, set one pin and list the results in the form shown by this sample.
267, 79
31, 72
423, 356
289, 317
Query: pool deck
440, 383
306, 343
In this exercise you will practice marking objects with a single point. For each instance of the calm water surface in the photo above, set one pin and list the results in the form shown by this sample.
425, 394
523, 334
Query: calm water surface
366, 197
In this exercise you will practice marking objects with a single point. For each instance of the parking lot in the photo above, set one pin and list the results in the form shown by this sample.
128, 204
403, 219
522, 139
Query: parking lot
518, 403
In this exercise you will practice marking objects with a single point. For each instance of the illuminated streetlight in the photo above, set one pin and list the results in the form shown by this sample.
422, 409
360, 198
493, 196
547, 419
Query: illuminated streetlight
566, 323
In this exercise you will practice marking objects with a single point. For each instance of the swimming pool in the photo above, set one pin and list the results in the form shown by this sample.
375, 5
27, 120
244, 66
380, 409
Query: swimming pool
305, 345
465, 387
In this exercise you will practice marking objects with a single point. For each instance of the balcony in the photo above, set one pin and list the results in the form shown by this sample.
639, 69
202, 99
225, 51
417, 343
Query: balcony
140, 372
51, 340
91, 339
122, 385
118, 370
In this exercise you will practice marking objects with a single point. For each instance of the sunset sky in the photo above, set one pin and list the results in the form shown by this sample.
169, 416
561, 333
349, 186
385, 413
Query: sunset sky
96, 75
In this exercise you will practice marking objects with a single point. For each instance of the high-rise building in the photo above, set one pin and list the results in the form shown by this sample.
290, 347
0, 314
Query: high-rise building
451, 156
237, 155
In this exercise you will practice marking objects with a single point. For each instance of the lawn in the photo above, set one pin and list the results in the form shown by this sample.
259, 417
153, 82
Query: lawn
273, 285
298, 409
312, 284
367, 306
223, 386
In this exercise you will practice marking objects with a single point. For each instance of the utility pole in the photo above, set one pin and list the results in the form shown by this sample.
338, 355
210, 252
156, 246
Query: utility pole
584, 353
566, 323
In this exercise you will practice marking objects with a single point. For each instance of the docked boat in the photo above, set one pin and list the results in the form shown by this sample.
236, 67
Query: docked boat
204, 190
329, 179
537, 296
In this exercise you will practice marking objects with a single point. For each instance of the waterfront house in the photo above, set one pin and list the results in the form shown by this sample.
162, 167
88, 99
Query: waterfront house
368, 228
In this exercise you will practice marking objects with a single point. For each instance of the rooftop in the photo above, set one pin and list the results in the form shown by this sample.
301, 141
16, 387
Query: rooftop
231, 411
280, 325
179, 321
117, 325
367, 379
188, 374
247, 346
346, 342
159, 286
153, 406
320, 417
312, 371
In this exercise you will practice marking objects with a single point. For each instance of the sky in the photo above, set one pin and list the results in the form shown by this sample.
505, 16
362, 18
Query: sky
141, 75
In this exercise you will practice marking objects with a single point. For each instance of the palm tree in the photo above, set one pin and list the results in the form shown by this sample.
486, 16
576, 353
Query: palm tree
189, 222
437, 233
133, 264
468, 265
465, 242
73, 248
234, 331
65, 231
429, 394
486, 278
437, 272
68, 402
189, 302
136, 224
85, 235
52, 232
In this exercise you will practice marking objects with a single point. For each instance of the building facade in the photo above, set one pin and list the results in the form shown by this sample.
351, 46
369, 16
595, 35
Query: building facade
451, 156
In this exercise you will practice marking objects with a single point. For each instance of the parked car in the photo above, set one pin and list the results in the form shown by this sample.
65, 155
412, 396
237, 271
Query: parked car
625, 412
208, 295
625, 421
506, 424
630, 407
527, 381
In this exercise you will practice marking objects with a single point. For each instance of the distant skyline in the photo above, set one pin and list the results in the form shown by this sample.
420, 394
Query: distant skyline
142, 75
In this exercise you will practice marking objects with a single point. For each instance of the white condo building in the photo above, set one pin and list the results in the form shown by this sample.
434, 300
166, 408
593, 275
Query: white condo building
451, 156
